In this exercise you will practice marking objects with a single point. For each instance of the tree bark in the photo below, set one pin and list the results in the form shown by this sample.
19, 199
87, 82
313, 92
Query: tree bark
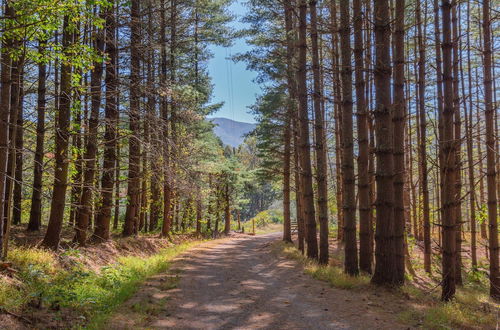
321, 160
304, 142
19, 148
6, 83
365, 247
111, 154
132, 212
35, 220
424, 184
448, 166
458, 141
385, 267
84, 213
291, 110
490, 155
470, 150
62, 135
348, 177
399, 142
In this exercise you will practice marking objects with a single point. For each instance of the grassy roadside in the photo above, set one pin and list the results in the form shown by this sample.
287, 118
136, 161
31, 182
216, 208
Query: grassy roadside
471, 309
75, 294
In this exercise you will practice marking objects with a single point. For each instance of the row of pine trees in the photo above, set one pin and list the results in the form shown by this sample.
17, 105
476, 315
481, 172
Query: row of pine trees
389, 121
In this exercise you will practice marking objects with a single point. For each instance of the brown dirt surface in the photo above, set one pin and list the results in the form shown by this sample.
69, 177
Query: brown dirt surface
238, 283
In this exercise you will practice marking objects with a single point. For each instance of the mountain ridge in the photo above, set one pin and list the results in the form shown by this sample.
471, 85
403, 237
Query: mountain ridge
231, 132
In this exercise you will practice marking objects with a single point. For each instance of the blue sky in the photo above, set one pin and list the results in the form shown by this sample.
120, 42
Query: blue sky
233, 82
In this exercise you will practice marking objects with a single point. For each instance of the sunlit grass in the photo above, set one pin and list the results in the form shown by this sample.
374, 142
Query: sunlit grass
471, 309
334, 275
93, 295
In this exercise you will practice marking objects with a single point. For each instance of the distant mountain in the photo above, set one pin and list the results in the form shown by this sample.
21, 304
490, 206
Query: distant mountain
231, 132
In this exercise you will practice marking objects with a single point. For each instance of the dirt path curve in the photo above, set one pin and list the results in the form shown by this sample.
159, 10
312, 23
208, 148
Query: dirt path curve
240, 284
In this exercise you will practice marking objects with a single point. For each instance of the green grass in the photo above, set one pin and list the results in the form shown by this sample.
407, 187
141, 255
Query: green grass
335, 276
89, 294
267, 229
471, 309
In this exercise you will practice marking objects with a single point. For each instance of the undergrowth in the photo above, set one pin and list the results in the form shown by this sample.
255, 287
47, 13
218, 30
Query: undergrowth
471, 309
334, 275
43, 282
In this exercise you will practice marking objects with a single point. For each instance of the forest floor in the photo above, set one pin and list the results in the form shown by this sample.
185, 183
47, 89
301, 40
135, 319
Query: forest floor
241, 283
78, 286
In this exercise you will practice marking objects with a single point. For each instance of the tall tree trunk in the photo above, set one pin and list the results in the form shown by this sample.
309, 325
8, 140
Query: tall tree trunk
304, 142
62, 135
132, 212
16, 76
19, 148
167, 191
84, 213
349, 181
338, 120
299, 198
470, 149
35, 220
458, 141
291, 110
424, 184
448, 166
227, 210
490, 155
365, 247
399, 142
321, 160
111, 153
385, 267
6, 83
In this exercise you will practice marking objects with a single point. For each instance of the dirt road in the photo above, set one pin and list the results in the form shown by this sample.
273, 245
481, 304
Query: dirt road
240, 284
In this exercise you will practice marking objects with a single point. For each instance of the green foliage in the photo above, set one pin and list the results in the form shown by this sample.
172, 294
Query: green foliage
94, 294
267, 217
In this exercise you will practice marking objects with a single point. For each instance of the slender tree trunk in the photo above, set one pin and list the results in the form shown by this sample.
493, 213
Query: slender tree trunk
227, 210
458, 141
365, 251
291, 109
448, 166
338, 120
132, 212
84, 213
349, 181
424, 184
111, 153
298, 186
15, 107
167, 191
470, 150
399, 142
62, 135
35, 220
19, 148
490, 155
199, 211
321, 160
6, 83
304, 141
